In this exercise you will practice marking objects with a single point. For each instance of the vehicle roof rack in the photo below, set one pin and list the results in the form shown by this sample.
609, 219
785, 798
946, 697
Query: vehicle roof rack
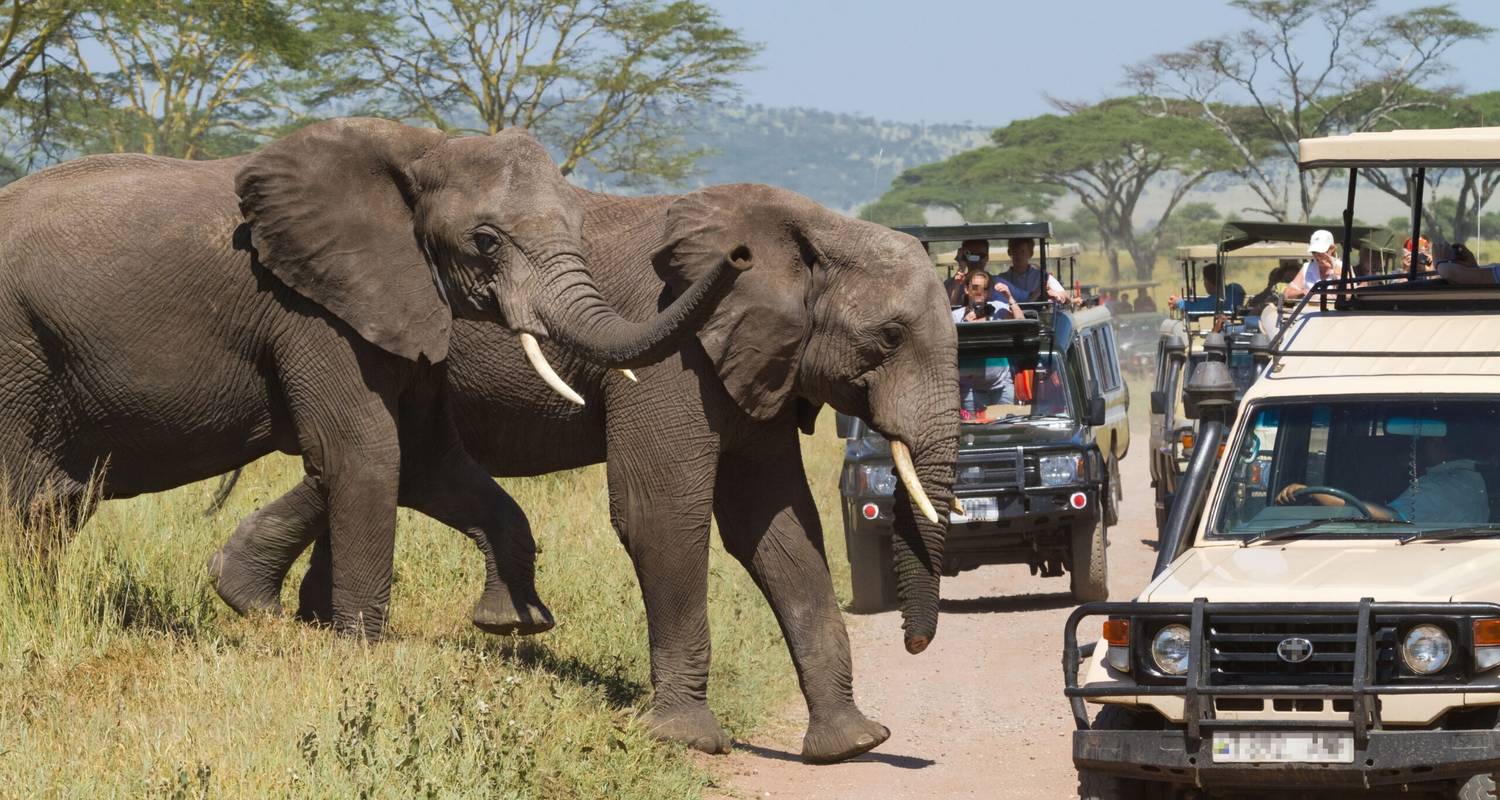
1436, 147
1390, 293
985, 230
1244, 233
1018, 333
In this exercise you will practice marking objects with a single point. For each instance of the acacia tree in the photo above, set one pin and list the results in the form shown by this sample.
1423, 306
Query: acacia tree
597, 80
192, 79
31, 28
1304, 68
1469, 188
1108, 155
957, 184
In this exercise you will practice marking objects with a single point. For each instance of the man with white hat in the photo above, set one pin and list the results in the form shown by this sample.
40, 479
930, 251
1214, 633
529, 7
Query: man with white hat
1324, 265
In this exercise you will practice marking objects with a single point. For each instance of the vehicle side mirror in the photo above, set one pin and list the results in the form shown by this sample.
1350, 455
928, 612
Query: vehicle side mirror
845, 425
1158, 402
1096, 411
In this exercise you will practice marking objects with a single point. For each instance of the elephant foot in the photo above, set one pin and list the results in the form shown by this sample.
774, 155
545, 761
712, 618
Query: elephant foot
694, 726
368, 626
841, 736
241, 587
498, 613
315, 595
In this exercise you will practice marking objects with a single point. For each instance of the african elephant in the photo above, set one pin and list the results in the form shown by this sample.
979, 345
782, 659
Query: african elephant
837, 311
299, 299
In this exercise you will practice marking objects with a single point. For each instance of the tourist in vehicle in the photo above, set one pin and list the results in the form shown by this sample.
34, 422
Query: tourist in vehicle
1143, 302
1447, 489
981, 302
973, 254
1425, 250
1457, 264
1232, 295
1025, 278
1322, 266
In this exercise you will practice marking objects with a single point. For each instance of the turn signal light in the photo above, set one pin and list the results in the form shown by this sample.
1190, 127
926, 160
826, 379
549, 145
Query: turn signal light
1117, 632
1486, 632
1187, 440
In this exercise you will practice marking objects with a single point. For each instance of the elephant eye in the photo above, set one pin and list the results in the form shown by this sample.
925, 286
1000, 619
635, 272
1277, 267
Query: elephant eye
486, 243
891, 335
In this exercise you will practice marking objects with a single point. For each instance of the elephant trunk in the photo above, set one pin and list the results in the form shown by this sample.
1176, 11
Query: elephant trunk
931, 446
576, 316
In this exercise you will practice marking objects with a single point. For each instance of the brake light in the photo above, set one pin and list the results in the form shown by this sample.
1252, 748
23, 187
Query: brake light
1117, 632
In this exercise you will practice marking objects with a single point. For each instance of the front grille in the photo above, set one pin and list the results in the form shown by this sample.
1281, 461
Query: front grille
999, 468
1243, 650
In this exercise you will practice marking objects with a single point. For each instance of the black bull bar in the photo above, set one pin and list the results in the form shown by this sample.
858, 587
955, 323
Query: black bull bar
1381, 755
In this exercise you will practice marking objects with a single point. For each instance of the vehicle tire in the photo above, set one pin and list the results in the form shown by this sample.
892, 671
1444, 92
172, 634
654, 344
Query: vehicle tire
1100, 786
1112, 491
872, 573
1090, 572
1479, 787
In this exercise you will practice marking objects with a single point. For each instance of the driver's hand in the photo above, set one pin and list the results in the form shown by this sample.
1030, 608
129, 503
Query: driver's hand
1287, 492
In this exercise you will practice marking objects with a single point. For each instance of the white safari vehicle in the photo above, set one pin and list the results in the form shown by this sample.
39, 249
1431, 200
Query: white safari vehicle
1326, 605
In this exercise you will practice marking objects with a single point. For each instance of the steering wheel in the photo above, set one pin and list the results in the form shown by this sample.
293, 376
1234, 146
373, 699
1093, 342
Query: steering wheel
1349, 499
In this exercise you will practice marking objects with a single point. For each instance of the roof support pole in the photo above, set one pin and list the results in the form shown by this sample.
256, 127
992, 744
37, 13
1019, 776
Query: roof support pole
1349, 226
1041, 247
1416, 219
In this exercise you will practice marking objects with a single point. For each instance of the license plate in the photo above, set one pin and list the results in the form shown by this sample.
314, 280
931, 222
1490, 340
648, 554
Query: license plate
976, 509
1261, 747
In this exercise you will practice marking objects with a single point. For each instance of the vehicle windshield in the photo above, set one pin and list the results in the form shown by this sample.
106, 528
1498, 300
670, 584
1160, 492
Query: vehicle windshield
1006, 388
1365, 467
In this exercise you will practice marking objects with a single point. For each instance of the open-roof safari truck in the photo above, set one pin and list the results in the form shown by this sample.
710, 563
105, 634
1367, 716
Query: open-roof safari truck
1248, 320
1325, 610
1037, 474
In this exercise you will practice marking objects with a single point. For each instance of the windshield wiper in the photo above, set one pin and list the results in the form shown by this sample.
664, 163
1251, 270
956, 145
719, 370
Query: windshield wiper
1293, 531
1451, 533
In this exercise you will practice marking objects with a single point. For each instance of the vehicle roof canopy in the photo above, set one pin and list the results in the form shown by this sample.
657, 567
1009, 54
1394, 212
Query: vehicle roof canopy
1255, 239
1438, 147
986, 230
1055, 250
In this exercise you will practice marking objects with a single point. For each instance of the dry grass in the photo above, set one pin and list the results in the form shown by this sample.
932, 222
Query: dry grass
123, 675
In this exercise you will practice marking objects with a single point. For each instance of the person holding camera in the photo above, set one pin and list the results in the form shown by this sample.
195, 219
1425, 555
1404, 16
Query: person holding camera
980, 305
1324, 265
1424, 254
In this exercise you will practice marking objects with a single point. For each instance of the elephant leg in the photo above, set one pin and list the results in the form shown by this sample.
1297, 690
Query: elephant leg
463, 496
248, 570
659, 502
769, 522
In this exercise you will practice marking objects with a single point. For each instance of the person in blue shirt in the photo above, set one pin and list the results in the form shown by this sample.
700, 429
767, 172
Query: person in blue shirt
1024, 279
1234, 294
1447, 490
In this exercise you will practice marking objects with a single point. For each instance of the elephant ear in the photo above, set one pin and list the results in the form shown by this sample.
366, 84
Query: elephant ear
756, 335
330, 215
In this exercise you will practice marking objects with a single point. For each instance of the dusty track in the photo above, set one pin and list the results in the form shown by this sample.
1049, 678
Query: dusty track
981, 713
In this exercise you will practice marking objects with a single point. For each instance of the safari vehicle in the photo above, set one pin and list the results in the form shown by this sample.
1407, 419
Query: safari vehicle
1181, 339
1136, 331
1325, 610
1037, 476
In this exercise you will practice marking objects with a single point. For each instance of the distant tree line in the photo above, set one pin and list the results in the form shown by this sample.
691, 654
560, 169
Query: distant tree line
1230, 110
600, 81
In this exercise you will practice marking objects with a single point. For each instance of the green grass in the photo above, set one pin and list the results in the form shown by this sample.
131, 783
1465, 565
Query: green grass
123, 675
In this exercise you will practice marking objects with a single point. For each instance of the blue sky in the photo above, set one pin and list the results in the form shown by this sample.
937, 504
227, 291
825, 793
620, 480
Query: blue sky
898, 59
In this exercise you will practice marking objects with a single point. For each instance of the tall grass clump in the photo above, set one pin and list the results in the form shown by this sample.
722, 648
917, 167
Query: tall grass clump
123, 675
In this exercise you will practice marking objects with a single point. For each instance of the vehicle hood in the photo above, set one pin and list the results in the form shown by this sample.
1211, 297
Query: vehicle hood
1030, 434
1333, 571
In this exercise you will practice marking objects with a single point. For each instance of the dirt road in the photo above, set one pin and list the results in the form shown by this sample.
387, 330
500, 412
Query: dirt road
981, 713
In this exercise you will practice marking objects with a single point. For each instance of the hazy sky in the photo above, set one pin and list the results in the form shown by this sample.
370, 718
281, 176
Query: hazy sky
988, 62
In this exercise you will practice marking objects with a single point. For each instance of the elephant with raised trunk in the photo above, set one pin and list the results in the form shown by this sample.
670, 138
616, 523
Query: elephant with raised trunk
164, 321
838, 312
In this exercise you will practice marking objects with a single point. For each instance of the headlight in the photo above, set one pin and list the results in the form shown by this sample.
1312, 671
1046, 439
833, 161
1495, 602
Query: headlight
1062, 470
1426, 649
878, 480
1169, 649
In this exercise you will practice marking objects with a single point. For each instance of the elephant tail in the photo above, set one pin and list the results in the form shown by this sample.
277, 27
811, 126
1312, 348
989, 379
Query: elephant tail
221, 494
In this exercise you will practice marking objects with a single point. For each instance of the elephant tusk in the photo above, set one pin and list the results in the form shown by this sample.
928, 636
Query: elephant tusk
956, 507
630, 375
539, 363
908, 473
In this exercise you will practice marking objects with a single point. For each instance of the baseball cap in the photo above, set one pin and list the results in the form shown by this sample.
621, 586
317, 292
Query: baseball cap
1320, 242
1425, 244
